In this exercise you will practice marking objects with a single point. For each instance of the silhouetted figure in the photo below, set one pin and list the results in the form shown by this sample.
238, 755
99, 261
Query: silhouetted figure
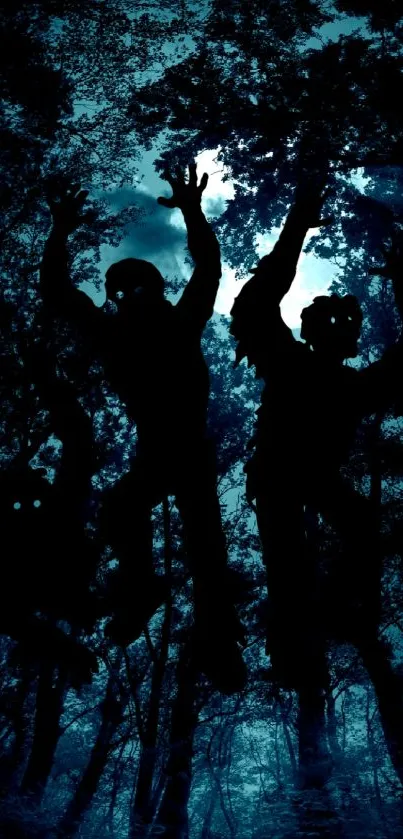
48, 560
152, 356
311, 407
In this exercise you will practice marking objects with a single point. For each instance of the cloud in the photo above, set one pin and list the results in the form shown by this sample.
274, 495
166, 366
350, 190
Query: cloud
158, 236
215, 206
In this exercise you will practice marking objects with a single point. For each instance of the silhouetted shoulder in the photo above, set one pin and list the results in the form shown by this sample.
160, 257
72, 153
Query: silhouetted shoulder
380, 384
258, 327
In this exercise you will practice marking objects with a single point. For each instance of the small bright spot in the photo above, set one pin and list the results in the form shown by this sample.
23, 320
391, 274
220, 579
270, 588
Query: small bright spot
37, 503
17, 505
120, 295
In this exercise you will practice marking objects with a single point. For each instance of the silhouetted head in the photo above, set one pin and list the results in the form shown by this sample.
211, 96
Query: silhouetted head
27, 500
331, 326
133, 280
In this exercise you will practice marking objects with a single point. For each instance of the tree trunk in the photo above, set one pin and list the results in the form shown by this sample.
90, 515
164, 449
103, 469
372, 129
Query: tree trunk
216, 778
208, 819
372, 752
49, 707
88, 785
291, 751
314, 810
316, 816
12, 761
332, 728
173, 811
144, 803
314, 757
388, 687
375, 654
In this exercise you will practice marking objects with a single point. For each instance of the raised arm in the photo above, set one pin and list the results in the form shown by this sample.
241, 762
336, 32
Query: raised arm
60, 296
198, 298
280, 266
257, 324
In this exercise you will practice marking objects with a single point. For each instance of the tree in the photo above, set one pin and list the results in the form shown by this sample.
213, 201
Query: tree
85, 91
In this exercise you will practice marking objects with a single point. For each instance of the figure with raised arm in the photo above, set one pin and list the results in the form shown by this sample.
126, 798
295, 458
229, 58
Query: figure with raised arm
151, 353
310, 410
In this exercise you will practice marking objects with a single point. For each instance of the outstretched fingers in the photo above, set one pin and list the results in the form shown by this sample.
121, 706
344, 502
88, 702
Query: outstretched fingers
180, 175
192, 174
186, 193
66, 203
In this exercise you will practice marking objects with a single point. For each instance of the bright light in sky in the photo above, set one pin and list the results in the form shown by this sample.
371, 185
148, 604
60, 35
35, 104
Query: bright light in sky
313, 275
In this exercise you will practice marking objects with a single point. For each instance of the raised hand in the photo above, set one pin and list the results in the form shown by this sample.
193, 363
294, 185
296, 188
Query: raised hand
186, 195
66, 207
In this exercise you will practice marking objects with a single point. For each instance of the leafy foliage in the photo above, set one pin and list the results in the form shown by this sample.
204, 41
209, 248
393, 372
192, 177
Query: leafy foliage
86, 89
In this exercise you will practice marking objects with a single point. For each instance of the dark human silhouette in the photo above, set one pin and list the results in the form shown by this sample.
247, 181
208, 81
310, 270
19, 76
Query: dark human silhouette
42, 523
152, 356
311, 406
48, 560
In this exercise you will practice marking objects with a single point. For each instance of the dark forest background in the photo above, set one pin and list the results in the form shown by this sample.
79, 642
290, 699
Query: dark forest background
87, 90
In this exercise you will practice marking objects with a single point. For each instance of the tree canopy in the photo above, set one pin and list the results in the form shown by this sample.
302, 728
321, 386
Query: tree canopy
279, 90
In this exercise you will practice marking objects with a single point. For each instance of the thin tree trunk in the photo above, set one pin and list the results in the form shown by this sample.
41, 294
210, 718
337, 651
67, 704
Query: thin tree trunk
173, 811
11, 766
314, 757
208, 819
314, 810
277, 756
88, 785
331, 728
144, 802
388, 687
117, 777
291, 751
372, 751
49, 707
216, 778
344, 724
375, 654
143, 811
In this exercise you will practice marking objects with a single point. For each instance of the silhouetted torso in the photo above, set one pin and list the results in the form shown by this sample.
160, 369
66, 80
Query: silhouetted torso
307, 421
153, 360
